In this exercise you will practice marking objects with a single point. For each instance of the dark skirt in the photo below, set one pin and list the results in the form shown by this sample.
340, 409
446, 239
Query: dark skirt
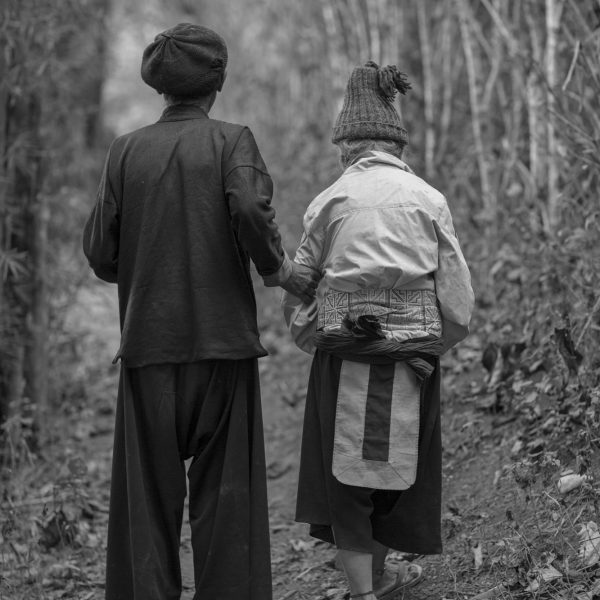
352, 517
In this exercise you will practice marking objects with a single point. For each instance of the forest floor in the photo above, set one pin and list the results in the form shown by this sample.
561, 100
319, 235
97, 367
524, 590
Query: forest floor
508, 533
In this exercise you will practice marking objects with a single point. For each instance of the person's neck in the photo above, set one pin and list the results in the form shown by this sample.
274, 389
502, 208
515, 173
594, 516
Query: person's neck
204, 106
203, 103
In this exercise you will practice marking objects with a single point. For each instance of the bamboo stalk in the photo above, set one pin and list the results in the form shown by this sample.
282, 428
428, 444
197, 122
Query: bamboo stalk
572, 66
552, 23
375, 20
497, 60
395, 12
329, 20
447, 60
476, 116
427, 69
360, 30
510, 39
534, 104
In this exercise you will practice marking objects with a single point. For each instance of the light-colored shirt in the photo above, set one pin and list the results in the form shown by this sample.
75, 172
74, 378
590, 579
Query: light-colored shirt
379, 226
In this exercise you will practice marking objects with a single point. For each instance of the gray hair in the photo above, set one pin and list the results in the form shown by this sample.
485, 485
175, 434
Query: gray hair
350, 150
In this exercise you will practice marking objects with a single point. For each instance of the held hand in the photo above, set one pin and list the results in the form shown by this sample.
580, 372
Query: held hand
302, 283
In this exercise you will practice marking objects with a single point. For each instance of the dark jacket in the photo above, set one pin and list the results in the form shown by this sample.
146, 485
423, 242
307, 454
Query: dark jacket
182, 207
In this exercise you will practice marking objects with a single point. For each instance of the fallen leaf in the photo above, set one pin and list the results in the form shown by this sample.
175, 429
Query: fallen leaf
589, 549
570, 482
546, 574
57, 529
497, 476
63, 570
517, 447
489, 594
301, 545
478, 556
590, 593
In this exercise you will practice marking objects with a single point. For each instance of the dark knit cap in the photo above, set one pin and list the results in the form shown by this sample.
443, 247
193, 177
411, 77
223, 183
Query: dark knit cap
186, 60
368, 111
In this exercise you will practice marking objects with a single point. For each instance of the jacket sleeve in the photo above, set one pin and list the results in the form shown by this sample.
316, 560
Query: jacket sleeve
249, 189
101, 232
301, 318
452, 282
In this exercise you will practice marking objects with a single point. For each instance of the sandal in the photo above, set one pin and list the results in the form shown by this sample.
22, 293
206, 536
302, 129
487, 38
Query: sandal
410, 577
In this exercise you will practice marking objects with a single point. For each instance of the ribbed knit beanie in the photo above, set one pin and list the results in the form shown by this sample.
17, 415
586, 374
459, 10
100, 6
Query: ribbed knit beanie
186, 60
368, 111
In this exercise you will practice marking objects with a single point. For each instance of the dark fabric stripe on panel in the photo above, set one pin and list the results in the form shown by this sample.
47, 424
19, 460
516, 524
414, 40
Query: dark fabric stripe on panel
376, 445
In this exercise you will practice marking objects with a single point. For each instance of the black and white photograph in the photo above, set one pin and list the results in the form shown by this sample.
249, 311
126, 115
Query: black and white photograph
299, 300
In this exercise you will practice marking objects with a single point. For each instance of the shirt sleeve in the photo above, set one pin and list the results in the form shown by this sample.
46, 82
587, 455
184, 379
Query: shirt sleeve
249, 190
452, 283
301, 318
101, 232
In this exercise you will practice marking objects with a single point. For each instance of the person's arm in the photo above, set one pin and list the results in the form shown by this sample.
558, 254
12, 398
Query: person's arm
249, 189
101, 232
301, 318
452, 283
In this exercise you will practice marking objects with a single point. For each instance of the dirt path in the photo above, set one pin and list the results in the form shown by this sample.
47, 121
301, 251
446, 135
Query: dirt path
476, 449
475, 454
303, 568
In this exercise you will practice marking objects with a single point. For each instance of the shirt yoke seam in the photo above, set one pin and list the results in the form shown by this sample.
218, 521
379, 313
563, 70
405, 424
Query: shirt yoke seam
372, 208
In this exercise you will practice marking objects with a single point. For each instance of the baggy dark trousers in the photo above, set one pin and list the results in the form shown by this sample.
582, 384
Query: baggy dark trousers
209, 411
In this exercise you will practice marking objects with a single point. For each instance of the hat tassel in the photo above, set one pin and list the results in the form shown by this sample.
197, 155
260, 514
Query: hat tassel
390, 80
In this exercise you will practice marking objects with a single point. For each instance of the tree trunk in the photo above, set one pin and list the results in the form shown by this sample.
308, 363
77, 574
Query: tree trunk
3, 172
28, 177
5, 396
37, 354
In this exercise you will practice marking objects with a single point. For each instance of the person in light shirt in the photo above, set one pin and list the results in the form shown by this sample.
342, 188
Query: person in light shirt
395, 294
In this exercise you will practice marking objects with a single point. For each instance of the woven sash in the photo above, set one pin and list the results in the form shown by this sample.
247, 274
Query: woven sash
397, 310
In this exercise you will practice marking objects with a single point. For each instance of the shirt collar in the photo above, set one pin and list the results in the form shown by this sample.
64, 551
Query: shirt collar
375, 158
183, 112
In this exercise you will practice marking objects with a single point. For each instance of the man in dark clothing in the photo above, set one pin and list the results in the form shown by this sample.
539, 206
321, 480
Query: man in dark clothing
183, 206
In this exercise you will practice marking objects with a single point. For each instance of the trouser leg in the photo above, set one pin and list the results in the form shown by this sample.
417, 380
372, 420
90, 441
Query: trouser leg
147, 490
227, 481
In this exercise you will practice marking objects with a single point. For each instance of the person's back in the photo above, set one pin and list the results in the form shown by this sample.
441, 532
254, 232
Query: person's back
185, 291
369, 223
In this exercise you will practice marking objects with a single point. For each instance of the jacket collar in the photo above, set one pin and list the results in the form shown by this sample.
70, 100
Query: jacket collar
375, 158
183, 112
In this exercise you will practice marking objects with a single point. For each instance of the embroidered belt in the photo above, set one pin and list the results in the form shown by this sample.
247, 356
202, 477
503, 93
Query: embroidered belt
407, 310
